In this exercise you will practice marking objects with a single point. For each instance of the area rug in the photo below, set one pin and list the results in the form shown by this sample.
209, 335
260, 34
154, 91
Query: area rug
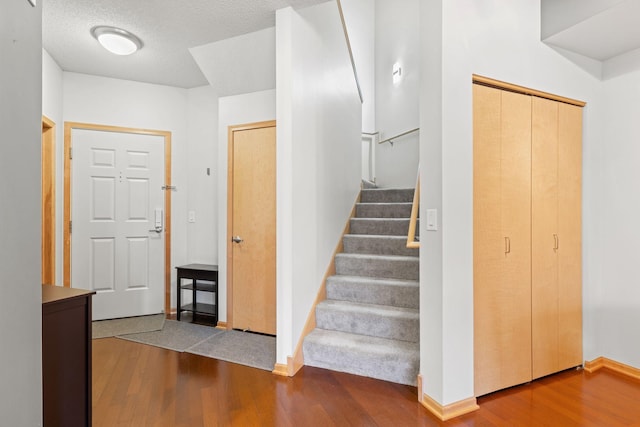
245, 348
177, 336
128, 325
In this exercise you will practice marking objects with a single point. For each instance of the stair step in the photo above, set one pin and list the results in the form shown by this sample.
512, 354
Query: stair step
368, 319
377, 245
387, 195
383, 210
380, 226
382, 266
384, 359
370, 290
368, 184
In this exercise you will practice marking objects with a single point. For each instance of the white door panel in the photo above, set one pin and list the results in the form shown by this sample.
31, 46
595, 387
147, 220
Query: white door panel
117, 183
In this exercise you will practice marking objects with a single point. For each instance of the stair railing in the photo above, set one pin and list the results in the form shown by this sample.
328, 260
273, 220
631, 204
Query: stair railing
390, 140
412, 242
353, 62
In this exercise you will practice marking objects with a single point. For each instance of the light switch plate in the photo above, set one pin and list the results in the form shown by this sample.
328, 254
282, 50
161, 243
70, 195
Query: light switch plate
192, 216
432, 219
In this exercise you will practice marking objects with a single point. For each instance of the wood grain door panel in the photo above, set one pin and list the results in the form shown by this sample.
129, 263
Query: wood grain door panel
544, 217
570, 236
254, 221
502, 239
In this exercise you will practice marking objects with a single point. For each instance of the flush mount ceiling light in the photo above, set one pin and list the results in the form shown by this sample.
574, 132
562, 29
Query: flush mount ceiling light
116, 40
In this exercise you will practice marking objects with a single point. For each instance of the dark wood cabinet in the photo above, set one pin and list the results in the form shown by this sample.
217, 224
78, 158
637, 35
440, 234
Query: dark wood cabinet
66, 356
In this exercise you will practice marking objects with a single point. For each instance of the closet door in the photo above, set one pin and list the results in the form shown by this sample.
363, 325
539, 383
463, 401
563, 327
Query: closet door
502, 239
570, 236
544, 237
556, 298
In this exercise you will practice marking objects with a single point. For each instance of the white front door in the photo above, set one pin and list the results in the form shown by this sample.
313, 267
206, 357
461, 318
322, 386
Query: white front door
117, 236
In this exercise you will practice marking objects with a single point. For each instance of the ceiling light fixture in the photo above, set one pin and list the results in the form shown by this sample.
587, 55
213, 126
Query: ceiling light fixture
116, 40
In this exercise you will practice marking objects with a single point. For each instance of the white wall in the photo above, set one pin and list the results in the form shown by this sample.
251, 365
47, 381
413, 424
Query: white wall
360, 19
52, 108
21, 122
202, 189
234, 110
617, 297
397, 33
319, 126
499, 40
431, 289
100, 100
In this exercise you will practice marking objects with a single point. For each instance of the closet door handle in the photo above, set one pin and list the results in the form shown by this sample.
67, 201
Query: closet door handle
507, 245
556, 242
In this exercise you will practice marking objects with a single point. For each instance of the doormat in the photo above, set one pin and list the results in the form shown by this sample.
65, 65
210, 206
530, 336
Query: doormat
127, 325
244, 348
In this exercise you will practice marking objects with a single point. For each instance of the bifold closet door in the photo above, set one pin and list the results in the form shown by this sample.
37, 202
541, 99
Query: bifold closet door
502, 238
556, 236
544, 237
570, 236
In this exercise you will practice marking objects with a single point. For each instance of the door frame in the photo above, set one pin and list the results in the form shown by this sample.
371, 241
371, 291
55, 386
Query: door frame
230, 186
48, 195
68, 158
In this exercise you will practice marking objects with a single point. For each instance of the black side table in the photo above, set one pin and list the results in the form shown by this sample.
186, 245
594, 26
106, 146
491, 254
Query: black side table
207, 274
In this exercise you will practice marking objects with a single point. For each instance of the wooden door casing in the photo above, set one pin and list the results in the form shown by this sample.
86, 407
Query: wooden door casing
68, 146
48, 202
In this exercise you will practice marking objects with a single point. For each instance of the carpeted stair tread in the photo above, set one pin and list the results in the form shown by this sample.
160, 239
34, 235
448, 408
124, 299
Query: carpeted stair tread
383, 210
387, 195
389, 360
368, 184
377, 245
380, 226
372, 290
368, 319
369, 323
384, 266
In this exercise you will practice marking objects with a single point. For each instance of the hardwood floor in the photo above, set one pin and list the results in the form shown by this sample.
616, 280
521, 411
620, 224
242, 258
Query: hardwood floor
140, 385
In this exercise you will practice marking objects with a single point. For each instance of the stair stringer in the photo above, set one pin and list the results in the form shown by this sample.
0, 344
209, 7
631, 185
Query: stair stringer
296, 362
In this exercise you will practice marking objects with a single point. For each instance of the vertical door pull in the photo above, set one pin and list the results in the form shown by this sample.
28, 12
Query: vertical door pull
507, 245
555, 242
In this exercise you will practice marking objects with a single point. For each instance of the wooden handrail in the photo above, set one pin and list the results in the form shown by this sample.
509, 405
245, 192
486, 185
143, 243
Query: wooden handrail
411, 236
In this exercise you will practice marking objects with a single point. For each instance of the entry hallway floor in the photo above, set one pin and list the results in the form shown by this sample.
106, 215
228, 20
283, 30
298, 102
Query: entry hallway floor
140, 385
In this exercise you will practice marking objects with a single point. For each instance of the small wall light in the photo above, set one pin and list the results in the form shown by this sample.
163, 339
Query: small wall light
397, 73
116, 40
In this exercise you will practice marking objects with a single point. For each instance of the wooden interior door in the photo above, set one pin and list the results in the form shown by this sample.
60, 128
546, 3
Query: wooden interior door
48, 202
502, 238
544, 234
252, 245
570, 236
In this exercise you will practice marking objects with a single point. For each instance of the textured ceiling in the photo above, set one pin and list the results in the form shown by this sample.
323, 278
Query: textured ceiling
168, 28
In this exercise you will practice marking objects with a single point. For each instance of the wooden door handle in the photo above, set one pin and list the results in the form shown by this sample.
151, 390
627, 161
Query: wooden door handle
556, 242
507, 245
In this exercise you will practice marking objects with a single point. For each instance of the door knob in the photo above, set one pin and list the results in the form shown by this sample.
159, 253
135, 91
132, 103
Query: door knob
237, 239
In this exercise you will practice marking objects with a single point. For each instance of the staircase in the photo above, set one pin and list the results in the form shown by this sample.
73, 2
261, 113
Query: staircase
369, 323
